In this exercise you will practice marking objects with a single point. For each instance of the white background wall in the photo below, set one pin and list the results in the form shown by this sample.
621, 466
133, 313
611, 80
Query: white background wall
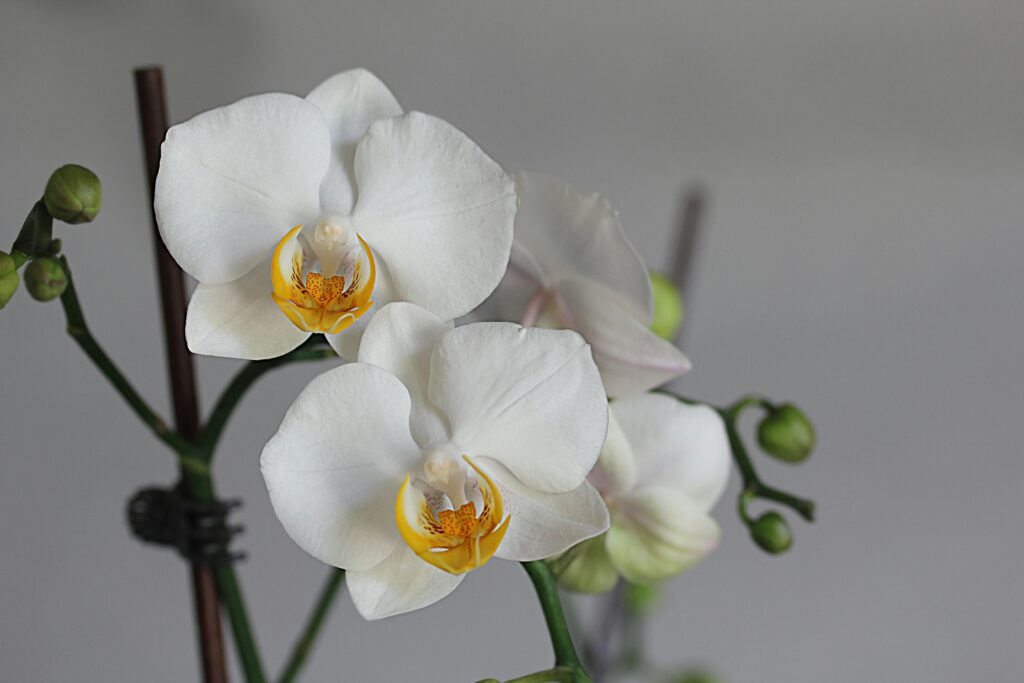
866, 161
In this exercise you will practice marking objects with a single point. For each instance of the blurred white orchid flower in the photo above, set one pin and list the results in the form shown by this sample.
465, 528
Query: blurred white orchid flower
439, 449
297, 216
572, 267
663, 467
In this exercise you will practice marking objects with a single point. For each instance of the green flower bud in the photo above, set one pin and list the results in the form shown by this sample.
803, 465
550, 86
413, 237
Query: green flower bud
668, 307
786, 433
586, 568
771, 532
45, 279
73, 194
8, 278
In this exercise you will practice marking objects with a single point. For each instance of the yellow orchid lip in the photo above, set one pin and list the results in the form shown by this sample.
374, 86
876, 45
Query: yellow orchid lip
323, 302
455, 540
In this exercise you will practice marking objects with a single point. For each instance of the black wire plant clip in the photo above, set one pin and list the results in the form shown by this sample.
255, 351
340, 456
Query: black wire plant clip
198, 531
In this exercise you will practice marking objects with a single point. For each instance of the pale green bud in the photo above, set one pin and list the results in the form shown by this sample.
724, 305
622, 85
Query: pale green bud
8, 278
45, 279
668, 307
786, 433
73, 194
586, 568
771, 532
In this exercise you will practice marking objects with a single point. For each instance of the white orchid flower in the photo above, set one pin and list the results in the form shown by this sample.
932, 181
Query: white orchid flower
300, 216
439, 449
663, 467
572, 267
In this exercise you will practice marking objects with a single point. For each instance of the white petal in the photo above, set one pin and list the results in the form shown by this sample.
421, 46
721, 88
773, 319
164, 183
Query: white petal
233, 181
568, 234
545, 524
240, 320
677, 445
335, 466
401, 583
401, 340
530, 398
658, 532
437, 210
615, 472
350, 101
632, 359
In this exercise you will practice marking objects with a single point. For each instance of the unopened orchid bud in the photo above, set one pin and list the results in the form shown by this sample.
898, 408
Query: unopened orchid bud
587, 568
45, 279
73, 194
786, 433
8, 278
668, 306
771, 532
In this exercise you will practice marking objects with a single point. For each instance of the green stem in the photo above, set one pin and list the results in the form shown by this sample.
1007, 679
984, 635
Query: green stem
193, 463
316, 620
752, 483
561, 640
200, 486
240, 384
79, 331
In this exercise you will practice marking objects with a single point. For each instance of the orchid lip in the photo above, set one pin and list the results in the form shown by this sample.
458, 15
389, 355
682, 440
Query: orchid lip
336, 294
454, 518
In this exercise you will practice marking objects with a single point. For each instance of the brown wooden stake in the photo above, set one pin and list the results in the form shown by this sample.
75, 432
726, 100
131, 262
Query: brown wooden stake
692, 208
149, 93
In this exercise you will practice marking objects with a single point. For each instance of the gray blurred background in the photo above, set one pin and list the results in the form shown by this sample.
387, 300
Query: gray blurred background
863, 257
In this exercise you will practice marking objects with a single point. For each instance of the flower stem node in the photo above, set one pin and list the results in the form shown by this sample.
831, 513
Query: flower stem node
45, 279
8, 278
771, 532
668, 306
73, 194
786, 434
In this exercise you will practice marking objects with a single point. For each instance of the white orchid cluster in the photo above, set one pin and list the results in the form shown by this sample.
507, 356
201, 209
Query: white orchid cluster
437, 446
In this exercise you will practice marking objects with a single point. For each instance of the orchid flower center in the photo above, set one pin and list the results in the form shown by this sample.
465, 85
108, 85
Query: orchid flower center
323, 282
452, 517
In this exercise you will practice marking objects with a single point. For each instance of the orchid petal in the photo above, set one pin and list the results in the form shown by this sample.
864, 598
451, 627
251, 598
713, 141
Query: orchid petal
632, 359
658, 532
350, 101
677, 445
531, 399
401, 583
234, 180
615, 472
562, 233
401, 340
437, 210
336, 463
545, 524
239, 319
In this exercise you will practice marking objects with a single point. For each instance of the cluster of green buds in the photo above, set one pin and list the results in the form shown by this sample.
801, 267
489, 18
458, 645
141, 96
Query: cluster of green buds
73, 195
785, 434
